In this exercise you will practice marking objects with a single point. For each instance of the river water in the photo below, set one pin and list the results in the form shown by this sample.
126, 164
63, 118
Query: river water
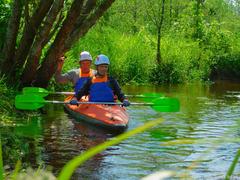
199, 142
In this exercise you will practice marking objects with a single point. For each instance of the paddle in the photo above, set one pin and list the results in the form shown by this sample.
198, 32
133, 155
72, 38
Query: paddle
33, 102
43, 92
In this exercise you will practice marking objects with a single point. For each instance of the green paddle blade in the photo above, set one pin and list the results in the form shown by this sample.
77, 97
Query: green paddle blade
29, 102
35, 90
148, 97
166, 104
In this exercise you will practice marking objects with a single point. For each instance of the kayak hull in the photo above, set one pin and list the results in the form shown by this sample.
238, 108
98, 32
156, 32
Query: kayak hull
112, 117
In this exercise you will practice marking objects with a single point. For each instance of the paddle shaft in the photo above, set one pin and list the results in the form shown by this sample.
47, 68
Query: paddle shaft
107, 103
62, 93
131, 96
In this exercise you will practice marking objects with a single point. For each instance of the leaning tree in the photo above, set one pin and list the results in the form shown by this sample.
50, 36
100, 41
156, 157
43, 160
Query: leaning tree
38, 26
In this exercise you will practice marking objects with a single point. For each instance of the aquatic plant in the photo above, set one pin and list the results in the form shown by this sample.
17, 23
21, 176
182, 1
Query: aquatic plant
233, 165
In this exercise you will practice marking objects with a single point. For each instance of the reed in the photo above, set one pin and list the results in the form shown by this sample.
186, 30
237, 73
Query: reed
233, 165
16, 170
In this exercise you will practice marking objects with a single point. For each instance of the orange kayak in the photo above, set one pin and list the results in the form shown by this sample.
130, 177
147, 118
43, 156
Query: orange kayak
113, 117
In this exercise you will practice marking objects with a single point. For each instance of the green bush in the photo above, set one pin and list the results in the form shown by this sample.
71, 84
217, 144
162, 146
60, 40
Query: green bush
165, 73
184, 58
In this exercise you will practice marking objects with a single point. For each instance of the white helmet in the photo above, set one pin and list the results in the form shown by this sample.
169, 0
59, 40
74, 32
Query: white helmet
85, 56
102, 59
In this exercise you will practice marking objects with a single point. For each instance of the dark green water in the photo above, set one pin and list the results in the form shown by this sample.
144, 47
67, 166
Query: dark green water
199, 142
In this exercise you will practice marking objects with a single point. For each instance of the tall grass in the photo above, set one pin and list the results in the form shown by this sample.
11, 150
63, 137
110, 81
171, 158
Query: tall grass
233, 165
16, 170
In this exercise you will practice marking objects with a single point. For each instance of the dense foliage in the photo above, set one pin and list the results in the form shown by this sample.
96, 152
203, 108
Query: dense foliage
198, 42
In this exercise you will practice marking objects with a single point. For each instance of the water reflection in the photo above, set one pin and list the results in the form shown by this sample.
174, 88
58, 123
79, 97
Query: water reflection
65, 138
195, 142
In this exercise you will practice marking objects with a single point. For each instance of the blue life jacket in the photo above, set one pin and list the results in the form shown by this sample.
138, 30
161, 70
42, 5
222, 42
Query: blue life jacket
100, 91
81, 80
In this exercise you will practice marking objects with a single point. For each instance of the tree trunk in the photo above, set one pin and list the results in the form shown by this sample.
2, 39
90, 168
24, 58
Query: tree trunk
29, 33
158, 57
170, 12
48, 67
198, 27
85, 12
11, 37
134, 11
30, 69
238, 7
73, 31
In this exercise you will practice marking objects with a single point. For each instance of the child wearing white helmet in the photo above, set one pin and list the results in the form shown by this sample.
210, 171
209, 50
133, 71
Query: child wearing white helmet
76, 76
101, 87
